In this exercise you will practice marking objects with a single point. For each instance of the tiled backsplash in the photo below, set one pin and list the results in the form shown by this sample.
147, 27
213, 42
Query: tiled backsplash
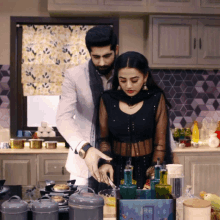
4, 96
193, 94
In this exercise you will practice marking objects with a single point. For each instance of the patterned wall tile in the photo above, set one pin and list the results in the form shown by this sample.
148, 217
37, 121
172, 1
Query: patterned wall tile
193, 94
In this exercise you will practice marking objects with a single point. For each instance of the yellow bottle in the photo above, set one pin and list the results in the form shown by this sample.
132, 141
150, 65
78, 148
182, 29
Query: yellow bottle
195, 132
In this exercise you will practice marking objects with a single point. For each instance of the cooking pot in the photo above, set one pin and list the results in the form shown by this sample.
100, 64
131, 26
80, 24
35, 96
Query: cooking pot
14, 208
17, 143
86, 206
45, 209
36, 143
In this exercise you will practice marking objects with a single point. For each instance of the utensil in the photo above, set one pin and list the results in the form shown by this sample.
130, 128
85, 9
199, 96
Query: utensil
112, 184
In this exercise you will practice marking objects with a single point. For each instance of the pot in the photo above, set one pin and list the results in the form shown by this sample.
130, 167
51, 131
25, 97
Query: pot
45, 209
17, 143
36, 143
51, 144
86, 206
14, 208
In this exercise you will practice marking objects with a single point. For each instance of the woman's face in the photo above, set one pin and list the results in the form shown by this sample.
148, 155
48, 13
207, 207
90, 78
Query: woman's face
131, 80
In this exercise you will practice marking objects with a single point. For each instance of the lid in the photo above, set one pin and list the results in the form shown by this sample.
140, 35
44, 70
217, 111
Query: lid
197, 203
14, 205
51, 142
44, 204
175, 169
36, 139
17, 139
90, 200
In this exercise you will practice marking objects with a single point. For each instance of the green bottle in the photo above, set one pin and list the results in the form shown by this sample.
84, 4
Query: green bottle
128, 190
163, 190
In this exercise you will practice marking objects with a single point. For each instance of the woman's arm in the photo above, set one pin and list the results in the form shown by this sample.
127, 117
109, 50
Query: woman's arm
104, 145
160, 131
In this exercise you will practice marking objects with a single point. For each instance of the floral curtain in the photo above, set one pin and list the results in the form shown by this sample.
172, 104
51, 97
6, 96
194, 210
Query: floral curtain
47, 51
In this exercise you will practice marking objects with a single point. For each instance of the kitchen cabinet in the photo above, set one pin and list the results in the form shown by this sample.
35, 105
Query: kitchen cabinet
188, 42
201, 168
52, 167
18, 169
173, 3
209, 3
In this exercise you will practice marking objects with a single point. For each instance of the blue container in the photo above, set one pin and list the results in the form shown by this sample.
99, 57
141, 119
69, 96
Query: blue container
145, 208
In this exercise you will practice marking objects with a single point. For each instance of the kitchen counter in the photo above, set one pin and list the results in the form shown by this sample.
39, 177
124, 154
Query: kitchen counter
199, 149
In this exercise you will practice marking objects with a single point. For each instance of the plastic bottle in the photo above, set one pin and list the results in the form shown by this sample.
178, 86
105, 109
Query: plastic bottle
195, 132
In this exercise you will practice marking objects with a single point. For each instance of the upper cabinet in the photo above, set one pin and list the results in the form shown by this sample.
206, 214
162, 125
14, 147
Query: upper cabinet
189, 42
130, 7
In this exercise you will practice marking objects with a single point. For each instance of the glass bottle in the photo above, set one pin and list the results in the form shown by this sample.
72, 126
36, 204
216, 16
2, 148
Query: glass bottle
195, 132
156, 179
163, 190
182, 134
188, 136
128, 190
129, 166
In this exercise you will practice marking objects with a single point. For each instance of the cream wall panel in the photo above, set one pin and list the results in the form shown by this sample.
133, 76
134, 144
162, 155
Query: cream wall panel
210, 3
76, 2
126, 2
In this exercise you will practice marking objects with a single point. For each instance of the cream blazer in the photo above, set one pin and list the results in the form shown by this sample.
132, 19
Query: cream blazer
74, 116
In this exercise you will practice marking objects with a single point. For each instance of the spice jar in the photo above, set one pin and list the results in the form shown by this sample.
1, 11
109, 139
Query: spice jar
36, 143
51, 144
17, 143
14, 208
45, 209
86, 206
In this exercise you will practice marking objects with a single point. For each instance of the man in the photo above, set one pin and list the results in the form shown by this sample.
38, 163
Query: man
78, 107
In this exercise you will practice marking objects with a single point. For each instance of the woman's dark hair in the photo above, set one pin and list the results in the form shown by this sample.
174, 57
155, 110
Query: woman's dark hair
135, 60
101, 36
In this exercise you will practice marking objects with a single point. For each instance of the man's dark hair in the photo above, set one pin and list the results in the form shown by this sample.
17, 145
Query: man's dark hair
101, 36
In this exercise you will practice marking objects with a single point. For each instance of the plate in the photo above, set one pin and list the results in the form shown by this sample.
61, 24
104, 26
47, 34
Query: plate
4, 189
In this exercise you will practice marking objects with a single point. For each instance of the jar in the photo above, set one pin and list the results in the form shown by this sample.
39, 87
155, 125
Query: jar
86, 206
17, 143
45, 209
196, 209
213, 140
14, 208
51, 144
36, 143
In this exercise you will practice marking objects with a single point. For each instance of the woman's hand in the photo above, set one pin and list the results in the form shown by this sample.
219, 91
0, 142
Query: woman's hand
103, 170
92, 158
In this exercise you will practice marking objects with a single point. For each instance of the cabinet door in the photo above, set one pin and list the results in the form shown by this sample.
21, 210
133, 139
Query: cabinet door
209, 41
171, 3
174, 41
52, 167
125, 2
209, 3
203, 173
19, 169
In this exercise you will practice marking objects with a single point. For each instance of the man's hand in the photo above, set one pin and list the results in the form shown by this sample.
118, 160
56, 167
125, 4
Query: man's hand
92, 159
103, 170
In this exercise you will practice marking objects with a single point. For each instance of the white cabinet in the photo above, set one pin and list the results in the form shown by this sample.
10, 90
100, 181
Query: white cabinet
209, 41
52, 167
203, 173
189, 42
18, 169
172, 3
209, 3
125, 2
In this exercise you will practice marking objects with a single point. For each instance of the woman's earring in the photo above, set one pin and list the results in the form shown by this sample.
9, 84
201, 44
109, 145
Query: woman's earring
145, 87
119, 87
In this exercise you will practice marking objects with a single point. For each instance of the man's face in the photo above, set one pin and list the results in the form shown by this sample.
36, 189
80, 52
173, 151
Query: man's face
103, 58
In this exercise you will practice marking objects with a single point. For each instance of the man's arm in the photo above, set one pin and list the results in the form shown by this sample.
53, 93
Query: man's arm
66, 124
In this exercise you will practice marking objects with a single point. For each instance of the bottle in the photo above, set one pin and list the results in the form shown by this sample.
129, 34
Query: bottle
128, 190
163, 190
129, 166
156, 179
218, 130
195, 132
188, 137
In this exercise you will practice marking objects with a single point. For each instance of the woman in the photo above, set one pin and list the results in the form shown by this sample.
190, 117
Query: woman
134, 123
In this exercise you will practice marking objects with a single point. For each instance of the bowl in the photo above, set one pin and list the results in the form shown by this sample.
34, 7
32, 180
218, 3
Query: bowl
110, 196
36, 143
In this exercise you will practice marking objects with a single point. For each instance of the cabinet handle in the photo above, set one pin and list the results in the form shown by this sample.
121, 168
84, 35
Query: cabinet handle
200, 43
62, 170
194, 43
